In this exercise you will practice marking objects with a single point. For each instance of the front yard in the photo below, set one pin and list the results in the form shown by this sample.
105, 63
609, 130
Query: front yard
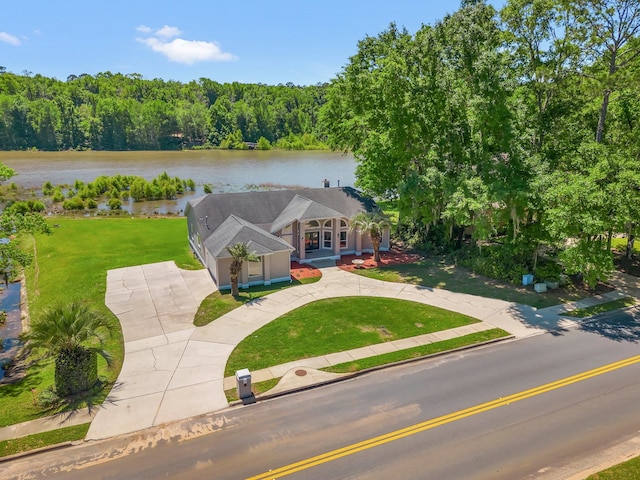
439, 272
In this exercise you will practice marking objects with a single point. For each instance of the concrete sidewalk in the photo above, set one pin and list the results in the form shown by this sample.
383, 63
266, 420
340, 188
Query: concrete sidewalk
173, 370
323, 361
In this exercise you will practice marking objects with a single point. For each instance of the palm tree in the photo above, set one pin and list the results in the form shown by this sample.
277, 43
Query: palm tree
374, 224
74, 334
239, 254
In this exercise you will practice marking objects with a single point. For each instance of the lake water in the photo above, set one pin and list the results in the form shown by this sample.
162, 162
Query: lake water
224, 170
11, 329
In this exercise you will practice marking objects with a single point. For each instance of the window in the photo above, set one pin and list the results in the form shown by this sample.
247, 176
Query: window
328, 224
326, 239
255, 268
343, 239
313, 224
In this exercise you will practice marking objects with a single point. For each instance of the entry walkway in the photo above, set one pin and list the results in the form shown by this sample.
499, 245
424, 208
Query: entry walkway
173, 370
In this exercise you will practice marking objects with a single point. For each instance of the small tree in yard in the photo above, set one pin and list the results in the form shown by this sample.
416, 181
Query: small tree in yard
373, 224
74, 335
239, 254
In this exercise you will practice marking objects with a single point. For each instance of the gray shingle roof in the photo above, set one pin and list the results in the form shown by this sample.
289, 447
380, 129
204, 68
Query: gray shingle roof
265, 208
225, 219
301, 208
236, 230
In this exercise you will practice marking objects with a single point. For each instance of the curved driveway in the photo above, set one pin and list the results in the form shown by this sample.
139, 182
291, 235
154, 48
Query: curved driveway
173, 370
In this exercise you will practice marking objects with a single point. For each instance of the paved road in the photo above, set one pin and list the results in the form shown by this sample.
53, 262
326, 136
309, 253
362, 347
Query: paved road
520, 438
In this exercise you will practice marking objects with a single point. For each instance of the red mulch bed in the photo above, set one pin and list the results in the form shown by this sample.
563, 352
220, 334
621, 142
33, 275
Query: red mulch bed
395, 256
299, 271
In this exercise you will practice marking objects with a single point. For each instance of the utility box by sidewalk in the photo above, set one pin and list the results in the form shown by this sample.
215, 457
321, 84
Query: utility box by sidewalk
243, 383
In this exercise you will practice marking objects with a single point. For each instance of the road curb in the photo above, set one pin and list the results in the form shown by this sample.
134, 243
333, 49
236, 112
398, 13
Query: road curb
348, 376
36, 451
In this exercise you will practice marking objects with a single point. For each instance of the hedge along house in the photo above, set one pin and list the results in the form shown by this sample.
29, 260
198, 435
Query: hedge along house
279, 226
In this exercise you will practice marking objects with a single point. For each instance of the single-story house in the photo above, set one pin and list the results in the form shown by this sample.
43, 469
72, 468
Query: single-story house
304, 225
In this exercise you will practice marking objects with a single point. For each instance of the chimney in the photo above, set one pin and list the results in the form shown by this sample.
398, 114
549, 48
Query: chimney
326, 183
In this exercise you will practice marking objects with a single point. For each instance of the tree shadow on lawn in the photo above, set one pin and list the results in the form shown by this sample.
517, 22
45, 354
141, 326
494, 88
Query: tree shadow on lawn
439, 272
68, 406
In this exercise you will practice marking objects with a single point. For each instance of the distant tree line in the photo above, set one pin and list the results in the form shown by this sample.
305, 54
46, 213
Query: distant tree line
126, 112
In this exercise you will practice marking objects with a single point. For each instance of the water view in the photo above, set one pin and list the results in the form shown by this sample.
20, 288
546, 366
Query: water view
223, 170
12, 327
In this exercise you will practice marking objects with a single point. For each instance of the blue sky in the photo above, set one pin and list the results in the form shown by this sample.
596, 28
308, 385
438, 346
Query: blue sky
249, 41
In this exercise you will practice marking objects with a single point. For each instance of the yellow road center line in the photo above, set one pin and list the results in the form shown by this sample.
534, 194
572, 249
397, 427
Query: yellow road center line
442, 420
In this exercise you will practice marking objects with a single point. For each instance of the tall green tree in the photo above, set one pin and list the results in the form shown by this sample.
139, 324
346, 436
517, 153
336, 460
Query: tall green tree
432, 110
610, 36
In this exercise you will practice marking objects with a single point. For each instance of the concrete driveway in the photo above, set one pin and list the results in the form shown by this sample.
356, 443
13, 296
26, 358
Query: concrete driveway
165, 375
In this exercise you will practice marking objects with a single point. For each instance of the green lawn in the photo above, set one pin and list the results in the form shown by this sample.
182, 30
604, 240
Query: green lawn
219, 303
338, 324
416, 352
39, 440
629, 470
385, 359
620, 243
71, 264
601, 308
440, 273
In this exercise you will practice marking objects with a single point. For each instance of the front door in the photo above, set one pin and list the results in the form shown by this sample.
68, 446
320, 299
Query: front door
311, 241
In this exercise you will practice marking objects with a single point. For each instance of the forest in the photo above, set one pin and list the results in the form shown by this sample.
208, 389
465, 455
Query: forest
112, 111
518, 129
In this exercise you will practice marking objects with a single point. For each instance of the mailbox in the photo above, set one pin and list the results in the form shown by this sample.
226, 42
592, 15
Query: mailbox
243, 382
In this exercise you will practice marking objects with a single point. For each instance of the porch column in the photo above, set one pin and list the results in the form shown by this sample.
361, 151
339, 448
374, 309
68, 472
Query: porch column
301, 248
266, 269
336, 236
358, 242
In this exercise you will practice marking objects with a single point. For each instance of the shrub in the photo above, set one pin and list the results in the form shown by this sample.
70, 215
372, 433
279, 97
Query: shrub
502, 262
75, 203
58, 196
548, 271
263, 144
47, 188
207, 188
115, 204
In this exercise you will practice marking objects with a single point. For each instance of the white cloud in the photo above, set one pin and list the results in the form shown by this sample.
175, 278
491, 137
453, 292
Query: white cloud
168, 32
187, 51
10, 39
164, 41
